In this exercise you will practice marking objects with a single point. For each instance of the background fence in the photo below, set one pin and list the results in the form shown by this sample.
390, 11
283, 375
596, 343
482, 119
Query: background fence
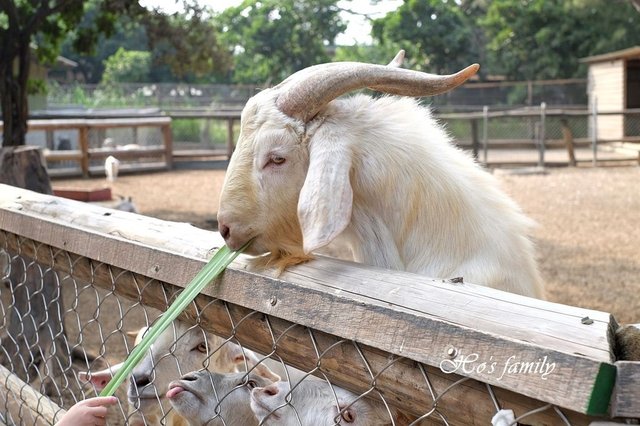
80, 145
398, 341
543, 123
471, 96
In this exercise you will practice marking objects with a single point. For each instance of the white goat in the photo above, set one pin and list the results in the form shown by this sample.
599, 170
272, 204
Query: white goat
177, 350
111, 168
126, 205
206, 398
381, 174
316, 403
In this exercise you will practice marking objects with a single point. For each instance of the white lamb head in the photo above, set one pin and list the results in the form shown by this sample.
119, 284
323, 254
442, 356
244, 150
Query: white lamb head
315, 403
207, 398
179, 349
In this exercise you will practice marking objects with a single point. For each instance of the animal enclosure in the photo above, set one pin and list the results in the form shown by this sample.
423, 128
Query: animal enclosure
79, 146
387, 336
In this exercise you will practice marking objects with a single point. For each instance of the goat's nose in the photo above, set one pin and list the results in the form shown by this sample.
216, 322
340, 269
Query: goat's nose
225, 231
141, 380
271, 390
189, 377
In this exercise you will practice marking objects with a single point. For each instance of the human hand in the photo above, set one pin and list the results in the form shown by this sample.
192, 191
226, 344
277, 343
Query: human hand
89, 412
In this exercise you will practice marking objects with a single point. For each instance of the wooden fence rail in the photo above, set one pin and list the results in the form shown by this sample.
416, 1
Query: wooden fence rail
85, 154
361, 327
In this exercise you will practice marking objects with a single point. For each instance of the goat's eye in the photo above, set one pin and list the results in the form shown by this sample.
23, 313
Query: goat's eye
202, 347
348, 416
251, 384
276, 159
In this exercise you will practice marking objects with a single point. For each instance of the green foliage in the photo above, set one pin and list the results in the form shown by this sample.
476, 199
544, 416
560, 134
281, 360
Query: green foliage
36, 86
374, 54
127, 33
127, 66
40, 25
186, 44
185, 130
436, 34
272, 39
544, 39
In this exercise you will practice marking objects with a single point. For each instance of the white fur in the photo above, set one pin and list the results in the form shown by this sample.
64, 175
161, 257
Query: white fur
384, 177
111, 168
126, 205
315, 402
179, 349
212, 399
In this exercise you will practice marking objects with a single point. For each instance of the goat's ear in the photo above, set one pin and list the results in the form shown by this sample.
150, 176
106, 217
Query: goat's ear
99, 379
326, 198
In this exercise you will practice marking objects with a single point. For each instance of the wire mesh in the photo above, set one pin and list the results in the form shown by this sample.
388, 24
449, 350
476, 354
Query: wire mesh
64, 328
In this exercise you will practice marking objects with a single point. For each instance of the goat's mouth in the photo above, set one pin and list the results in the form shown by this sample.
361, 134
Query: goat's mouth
182, 387
141, 402
262, 410
144, 396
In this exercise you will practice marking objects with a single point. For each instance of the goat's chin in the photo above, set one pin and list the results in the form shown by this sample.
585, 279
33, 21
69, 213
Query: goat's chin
280, 260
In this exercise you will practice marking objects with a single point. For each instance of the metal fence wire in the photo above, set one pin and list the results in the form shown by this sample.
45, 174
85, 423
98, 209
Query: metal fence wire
64, 319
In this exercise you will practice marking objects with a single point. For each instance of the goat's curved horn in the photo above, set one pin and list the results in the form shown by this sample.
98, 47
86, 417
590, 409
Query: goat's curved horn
397, 60
304, 93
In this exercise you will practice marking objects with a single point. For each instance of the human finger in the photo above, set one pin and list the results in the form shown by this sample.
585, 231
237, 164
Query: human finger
99, 401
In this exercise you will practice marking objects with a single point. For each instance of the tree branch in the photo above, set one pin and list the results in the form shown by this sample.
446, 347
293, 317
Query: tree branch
44, 10
636, 4
9, 7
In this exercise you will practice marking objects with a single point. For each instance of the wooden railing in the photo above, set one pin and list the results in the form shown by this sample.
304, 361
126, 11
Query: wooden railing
85, 154
427, 346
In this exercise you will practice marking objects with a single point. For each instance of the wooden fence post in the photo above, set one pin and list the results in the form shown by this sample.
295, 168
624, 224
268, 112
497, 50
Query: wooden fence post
475, 139
83, 140
568, 141
167, 139
230, 146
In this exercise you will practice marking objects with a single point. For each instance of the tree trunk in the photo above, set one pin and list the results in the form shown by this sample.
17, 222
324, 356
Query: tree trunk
35, 333
23, 166
13, 92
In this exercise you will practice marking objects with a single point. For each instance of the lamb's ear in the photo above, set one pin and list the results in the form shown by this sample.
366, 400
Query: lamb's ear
101, 378
326, 198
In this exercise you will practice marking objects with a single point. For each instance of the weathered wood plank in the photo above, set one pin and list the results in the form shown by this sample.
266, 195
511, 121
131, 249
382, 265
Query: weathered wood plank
626, 395
101, 153
401, 381
25, 403
424, 320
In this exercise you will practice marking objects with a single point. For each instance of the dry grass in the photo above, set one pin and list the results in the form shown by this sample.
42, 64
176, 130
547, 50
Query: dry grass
588, 235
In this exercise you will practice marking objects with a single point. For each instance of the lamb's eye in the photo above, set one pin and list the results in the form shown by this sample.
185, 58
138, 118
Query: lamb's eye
348, 416
202, 347
276, 159
251, 384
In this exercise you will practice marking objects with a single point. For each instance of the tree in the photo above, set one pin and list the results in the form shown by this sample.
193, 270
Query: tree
273, 38
39, 25
127, 66
128, 33
436, 34
544, 39
186, 44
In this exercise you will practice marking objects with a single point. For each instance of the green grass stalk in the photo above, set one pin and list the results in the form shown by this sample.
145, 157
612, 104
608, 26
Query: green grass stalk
218, 263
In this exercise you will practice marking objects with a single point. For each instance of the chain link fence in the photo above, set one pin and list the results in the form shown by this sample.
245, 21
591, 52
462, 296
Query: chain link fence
471, 96
69, 315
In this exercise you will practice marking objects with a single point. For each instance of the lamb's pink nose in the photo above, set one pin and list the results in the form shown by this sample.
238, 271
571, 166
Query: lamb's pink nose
271, 390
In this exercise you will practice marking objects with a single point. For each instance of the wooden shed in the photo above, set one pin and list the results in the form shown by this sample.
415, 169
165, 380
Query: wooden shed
614, 83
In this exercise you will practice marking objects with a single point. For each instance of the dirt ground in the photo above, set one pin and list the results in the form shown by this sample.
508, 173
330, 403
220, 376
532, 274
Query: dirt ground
588, 233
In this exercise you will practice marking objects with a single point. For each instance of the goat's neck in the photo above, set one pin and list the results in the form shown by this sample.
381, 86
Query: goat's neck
372, 241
